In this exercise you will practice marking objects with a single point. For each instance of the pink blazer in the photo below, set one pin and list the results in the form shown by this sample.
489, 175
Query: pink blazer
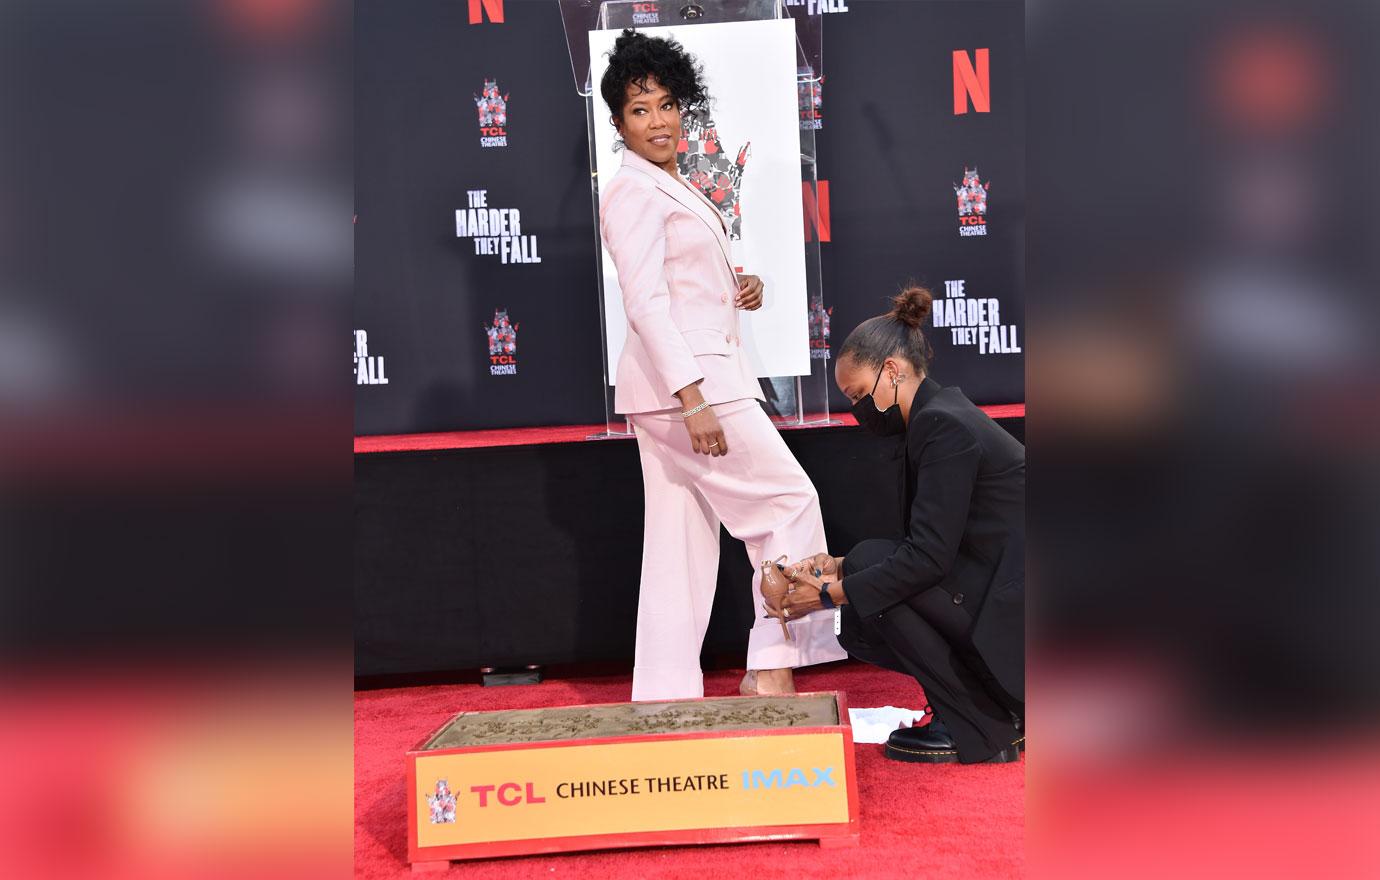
673, 260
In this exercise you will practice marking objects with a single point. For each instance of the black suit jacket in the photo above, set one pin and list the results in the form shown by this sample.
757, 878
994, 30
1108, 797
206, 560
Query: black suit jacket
965, 487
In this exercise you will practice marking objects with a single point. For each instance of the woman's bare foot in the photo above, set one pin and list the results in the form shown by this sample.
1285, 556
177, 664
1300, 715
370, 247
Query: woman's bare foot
768, 681
748, 686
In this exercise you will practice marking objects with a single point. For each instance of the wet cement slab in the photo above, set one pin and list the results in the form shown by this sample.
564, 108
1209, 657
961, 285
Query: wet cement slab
635, 719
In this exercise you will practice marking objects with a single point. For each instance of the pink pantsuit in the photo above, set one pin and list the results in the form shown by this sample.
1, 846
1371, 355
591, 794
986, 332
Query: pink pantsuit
673, 262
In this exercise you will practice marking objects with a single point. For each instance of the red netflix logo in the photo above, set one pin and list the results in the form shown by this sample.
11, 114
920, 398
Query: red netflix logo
816, 210
494, 9
972, 79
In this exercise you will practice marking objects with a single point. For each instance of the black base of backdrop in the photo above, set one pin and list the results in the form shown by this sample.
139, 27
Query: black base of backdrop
508, 556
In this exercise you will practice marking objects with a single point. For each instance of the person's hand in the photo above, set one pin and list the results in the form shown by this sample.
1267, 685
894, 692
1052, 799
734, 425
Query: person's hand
821, 565
803, 597
706, 437
749, 296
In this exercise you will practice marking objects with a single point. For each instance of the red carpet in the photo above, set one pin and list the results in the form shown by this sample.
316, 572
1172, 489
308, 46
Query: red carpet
559, 434
917, 820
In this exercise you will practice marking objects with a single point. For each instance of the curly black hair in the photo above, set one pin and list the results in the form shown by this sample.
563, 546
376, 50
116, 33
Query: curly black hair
637, 56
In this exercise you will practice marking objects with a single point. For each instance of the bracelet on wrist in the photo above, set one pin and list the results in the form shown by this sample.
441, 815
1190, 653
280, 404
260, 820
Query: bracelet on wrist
690, 412
825, 598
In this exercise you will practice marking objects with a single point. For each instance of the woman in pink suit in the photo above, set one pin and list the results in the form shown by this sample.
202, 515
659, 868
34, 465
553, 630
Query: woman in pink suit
709, 453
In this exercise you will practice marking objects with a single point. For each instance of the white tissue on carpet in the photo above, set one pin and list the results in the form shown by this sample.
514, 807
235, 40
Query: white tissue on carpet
875, 725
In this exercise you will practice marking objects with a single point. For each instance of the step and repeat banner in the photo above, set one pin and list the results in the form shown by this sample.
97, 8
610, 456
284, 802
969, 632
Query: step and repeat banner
476, 294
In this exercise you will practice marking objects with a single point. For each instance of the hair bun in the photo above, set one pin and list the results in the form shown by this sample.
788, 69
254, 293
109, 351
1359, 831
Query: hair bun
912, 306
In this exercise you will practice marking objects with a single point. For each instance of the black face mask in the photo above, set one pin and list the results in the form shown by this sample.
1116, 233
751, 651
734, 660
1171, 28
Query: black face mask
878, 422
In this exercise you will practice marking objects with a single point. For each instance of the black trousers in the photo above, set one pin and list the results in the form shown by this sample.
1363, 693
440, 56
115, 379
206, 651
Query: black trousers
928, 637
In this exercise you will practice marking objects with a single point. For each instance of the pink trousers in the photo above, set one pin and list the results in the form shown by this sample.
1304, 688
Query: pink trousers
759, 492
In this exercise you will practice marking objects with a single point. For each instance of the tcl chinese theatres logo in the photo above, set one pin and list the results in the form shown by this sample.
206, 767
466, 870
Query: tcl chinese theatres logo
502, 335
972, 204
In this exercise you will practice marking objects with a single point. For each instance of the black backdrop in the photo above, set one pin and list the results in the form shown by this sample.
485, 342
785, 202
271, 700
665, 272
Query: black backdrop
890, 146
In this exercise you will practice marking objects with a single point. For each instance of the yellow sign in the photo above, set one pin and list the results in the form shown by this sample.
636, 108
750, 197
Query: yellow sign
569, 791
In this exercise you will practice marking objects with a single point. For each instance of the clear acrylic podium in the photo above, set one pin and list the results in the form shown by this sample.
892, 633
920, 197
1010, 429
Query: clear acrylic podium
791, 401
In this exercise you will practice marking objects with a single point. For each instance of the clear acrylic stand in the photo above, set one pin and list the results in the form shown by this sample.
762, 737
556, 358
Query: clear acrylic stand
791, 401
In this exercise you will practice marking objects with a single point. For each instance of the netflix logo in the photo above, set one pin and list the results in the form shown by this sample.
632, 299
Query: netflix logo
492, 9
972, 82
816, 210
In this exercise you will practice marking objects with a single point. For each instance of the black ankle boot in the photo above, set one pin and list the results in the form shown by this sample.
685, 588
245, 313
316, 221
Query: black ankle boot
932, 744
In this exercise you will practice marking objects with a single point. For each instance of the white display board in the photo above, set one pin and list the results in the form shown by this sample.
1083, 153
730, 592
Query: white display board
750, 74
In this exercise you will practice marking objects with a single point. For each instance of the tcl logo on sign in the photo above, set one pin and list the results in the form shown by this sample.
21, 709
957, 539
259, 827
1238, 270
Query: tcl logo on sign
972, 80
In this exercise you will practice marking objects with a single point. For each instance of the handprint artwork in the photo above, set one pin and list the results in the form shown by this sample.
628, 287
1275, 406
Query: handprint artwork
704, 163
